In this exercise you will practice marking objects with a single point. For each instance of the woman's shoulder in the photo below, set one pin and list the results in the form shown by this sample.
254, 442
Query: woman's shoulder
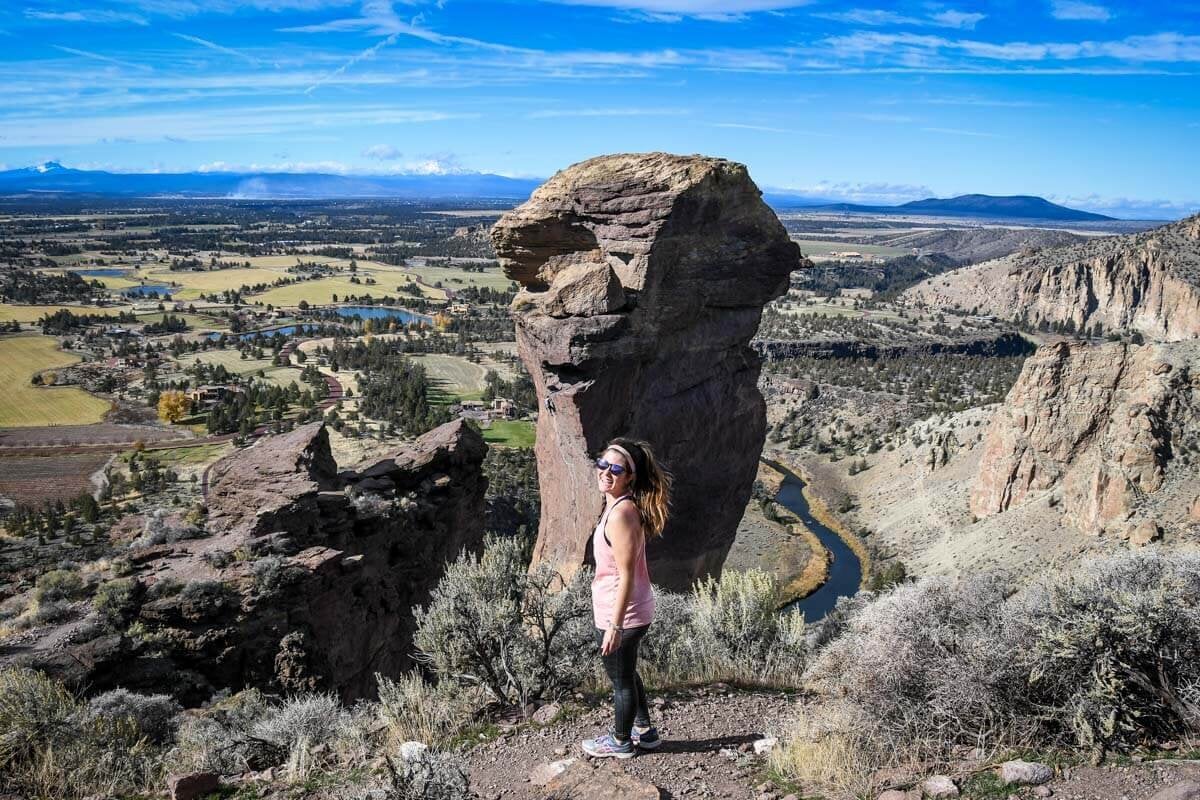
627, 511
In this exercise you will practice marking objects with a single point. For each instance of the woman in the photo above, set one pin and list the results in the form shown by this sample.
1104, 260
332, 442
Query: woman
622, 598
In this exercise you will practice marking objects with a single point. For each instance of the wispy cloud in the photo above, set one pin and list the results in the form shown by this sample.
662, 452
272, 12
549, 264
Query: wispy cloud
99, 57
855, 192
898, 119
717, 10
962, 132
962, 20
554, 113
911, 48
209, 124
741, 126
229, 51
99, 16
382, 152
1077, 10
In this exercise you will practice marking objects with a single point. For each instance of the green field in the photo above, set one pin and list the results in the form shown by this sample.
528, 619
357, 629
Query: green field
199, 454
510, 433
231, 359
453, 376
33, 313
492, 278
23, 405
321, 291
816, 248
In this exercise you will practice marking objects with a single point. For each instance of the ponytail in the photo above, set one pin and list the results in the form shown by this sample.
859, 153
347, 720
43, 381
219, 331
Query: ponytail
651, 486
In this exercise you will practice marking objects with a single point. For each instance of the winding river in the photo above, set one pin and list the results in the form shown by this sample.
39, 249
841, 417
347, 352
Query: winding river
845, 570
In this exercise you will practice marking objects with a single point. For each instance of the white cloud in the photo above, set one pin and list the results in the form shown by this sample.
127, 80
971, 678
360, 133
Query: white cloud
880, 17
1129, 207
96, 16
98, 57
229, 51
551, 113
920, 48
208, 123
720, 10
1077, 10
870, 193
382, 152
962, 132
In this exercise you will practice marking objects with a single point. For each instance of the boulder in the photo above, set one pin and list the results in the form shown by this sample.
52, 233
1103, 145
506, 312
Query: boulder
1184, 790
578, 781
1144, 533
192, 786
765, 745
643, 280
544, 773
939, 786
1025, 773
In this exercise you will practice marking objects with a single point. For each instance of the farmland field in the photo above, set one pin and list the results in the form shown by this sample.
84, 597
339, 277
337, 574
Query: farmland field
231, 359
453, 376
25, 405
196, 283
491, 278
321, 291
814, 248
36, 479
33, 313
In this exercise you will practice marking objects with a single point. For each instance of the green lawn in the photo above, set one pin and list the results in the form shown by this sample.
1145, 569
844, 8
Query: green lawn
510, 433
23, 405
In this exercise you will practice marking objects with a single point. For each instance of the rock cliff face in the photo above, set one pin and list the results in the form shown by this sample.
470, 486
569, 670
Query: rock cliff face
1107, 426
644, 279
1147, 282
308, 576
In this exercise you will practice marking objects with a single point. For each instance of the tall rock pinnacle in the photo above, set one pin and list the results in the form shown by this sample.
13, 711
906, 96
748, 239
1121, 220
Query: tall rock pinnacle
643, 280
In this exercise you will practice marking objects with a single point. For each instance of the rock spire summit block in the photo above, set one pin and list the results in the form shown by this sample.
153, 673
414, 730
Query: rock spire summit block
643, 280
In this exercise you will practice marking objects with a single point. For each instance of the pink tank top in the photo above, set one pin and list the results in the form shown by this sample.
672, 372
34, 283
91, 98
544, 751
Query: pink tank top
639, 610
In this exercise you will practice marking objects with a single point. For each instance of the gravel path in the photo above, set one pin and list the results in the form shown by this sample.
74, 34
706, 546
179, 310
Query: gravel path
707, 750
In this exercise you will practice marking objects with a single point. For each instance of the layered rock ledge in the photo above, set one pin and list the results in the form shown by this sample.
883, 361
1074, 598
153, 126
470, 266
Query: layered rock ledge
643, 280
305, 580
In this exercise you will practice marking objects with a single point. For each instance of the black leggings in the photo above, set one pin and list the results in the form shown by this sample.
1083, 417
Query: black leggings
629, 695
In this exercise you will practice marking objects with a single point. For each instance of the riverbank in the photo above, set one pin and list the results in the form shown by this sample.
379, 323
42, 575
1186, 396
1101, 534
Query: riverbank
768, 543
848, 562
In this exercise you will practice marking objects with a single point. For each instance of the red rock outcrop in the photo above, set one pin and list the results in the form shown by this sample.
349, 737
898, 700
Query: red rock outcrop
1146, 282
644, 278
1109, 425
307, 579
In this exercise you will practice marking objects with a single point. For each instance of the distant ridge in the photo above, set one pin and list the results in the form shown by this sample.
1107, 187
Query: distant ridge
966, 205
54, 178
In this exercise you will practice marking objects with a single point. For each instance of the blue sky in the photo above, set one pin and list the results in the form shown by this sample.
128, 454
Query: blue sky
1095, 104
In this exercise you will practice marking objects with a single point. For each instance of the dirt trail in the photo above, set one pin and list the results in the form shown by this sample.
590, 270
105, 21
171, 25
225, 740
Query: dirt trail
707, 748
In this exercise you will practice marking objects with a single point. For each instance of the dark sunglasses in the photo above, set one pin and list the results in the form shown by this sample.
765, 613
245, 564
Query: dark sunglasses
616, 469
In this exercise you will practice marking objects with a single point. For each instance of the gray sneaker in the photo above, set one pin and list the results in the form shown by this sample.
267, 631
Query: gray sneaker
645, 738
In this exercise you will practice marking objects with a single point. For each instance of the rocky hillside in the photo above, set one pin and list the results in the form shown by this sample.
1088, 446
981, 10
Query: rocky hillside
1147, 282
972, 245
1107, 427
643, 280
303, 578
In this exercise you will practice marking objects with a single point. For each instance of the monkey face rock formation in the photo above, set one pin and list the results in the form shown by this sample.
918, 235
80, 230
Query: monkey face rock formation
643, 280
1115, 428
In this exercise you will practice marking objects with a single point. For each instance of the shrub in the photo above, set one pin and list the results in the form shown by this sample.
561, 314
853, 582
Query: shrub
1113, 648
204, 599
415, 710
520, 634
726, 629
117, 601
51, 747
59, 584
154, 715
429, 775
272, 575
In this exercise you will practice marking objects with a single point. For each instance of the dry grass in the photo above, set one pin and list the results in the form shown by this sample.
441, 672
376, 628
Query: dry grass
815, 573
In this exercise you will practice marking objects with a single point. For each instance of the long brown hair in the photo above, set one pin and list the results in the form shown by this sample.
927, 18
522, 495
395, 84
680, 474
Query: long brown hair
651, 485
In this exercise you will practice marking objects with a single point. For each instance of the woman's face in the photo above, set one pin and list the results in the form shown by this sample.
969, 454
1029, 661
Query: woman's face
614, 484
